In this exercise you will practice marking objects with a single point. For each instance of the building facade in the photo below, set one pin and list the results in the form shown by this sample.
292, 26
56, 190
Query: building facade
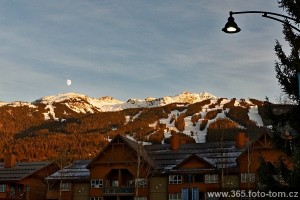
24, 180
71, 182
127, 170
120, 171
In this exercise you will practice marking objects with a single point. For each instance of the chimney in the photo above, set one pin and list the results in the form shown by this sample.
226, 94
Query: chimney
175, 142
10, 160
240, 140
183, 141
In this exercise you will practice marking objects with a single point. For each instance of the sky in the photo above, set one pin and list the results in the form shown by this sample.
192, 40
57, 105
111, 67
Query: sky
136, 48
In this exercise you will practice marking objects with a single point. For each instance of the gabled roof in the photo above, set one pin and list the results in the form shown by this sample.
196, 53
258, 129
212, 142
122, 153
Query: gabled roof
201, 160
257, 140
261, 135
75, 171
21, 170
213, 153
135, 146
139, 148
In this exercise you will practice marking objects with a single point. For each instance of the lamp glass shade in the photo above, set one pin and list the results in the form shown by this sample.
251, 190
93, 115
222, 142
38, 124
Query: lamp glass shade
231, 26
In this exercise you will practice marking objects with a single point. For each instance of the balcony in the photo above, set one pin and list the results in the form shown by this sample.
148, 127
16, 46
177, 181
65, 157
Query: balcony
15, 195
124, 190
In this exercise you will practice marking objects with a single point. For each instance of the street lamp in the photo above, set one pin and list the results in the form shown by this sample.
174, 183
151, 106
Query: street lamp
232, 27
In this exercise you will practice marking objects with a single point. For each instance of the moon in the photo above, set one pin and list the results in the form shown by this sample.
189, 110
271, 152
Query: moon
69, 82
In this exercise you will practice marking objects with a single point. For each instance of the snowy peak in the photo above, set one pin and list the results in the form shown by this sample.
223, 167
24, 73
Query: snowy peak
61, 98
184, 97
188, 97
108, 103
110, 100
74, 97
81, 103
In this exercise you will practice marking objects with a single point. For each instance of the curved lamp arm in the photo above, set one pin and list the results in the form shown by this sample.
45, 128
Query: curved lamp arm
231, 26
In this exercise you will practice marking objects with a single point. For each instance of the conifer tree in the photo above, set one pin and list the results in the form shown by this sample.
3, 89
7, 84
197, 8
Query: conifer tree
287, 68
288, 65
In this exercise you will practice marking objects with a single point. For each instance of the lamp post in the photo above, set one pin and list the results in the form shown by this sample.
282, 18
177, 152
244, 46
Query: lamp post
232, 27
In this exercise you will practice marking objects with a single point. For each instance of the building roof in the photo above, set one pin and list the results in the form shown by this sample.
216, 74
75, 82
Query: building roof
21, 170
76, 170
139, 148
135, 146
213, 153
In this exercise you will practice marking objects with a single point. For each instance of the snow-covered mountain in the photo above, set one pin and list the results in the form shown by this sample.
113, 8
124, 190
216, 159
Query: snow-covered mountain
77, 120
84, 104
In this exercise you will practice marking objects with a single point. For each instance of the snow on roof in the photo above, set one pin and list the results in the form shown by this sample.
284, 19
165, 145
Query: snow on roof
212, 152
76, 170
21, 170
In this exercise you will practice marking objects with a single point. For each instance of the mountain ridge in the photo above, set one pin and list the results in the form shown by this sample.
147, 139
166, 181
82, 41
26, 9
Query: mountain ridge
107, 103
82, 124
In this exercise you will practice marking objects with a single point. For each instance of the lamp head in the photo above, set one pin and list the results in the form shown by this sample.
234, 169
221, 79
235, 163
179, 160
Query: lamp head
231, 26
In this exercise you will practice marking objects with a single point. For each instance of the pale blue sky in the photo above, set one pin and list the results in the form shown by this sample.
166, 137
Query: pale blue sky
136, 48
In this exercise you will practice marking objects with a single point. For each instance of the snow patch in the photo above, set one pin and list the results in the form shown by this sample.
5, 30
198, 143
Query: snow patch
255, 116
129, 118
50, 112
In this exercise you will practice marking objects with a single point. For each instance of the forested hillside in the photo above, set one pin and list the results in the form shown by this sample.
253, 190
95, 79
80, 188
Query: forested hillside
42, 132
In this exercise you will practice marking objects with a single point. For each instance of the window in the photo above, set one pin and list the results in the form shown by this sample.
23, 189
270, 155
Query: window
130, 183
115, 183
175, 179
140, 198
96, 198
211, 178
12, 188
175, 196
247, 177
140, 182
20, 188
96, 183
65, 187
2, 187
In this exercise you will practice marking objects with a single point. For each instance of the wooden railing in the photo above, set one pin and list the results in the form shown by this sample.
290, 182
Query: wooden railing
118, 190
15, 195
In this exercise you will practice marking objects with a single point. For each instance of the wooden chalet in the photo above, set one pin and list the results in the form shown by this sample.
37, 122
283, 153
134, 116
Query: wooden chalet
193, 169
71, 182
120, 171
24, 180
127, 170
